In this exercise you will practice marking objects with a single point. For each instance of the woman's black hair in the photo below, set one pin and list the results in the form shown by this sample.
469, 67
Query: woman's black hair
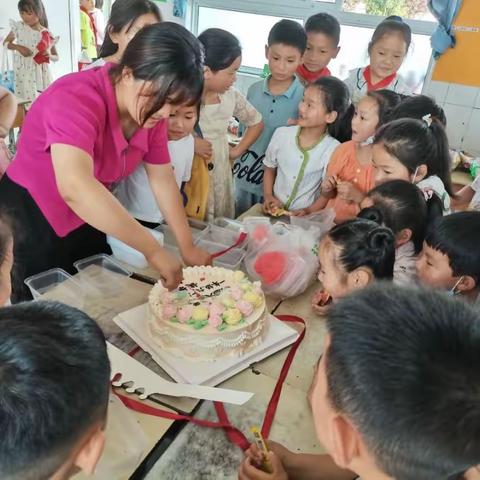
35, 6
400, 205
417, 106
457, 236
336, 99
221, 48
418, 142
392, 24
364, 243
170, 58
386, 100
123, 14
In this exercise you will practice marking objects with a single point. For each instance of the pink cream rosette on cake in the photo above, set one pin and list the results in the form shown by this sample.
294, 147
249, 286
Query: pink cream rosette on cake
215, 316
185, 314
169, 311
246, 308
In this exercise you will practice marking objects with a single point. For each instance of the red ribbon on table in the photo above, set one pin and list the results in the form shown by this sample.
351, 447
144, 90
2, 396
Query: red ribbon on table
239, 241
233, 433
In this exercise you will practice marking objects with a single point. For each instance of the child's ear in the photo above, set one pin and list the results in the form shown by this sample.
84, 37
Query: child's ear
88, 457
403, 237
421, 173
337, 51
467, 284
207, 72
331, 117
266, 52
359, 278
345, 442
113, 36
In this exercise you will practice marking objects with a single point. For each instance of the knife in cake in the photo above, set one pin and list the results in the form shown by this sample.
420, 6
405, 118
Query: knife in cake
142, 378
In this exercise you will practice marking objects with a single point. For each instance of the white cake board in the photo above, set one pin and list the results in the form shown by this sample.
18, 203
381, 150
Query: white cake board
134, 323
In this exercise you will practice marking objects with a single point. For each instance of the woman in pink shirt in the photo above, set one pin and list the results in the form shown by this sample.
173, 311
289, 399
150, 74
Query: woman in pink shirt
85, 133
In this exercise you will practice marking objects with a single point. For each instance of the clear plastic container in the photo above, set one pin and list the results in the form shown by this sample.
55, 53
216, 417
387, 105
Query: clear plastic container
125, 253
232, 259
56, 284
223, 236
102, 275
229, 224
323, 221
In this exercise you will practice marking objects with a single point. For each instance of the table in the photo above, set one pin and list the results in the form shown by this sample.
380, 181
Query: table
293, 425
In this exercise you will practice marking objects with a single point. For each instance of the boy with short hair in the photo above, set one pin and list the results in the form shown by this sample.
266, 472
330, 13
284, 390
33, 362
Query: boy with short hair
323, 37
450, 259
395, 394
54, 389
277, 98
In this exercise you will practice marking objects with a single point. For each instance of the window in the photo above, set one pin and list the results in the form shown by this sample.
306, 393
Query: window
251, 20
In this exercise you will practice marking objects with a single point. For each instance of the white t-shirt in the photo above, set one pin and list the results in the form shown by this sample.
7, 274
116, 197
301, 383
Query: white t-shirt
284, 154
357, 85
135, 194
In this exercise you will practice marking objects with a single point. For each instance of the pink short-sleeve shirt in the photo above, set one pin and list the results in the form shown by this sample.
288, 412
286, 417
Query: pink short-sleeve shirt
80, 109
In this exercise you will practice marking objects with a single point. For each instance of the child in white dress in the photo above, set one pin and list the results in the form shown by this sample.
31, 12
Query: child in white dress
34, 48
220, 101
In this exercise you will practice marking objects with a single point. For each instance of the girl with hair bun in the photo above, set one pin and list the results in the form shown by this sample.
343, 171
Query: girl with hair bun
352, 255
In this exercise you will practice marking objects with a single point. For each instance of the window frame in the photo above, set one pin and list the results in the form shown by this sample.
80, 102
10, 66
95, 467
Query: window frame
300, 9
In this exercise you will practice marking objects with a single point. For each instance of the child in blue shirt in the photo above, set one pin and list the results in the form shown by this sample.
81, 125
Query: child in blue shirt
277, 98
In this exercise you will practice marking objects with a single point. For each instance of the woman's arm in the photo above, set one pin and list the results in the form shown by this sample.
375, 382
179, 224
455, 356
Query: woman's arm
170, 202
249, 138
95, 205
8, 111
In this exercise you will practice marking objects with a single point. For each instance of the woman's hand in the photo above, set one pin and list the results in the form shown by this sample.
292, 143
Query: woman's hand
196, 256
203, 148
168, 266
348, 192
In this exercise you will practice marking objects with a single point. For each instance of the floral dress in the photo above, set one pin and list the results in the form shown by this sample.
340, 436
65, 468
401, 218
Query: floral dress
214, 123
31, 78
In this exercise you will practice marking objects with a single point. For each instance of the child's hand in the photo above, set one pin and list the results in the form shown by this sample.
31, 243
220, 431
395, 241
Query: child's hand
271, 203
203, 148
321, 302
328, 187
235, 152
249, 471
301, 213
348, 192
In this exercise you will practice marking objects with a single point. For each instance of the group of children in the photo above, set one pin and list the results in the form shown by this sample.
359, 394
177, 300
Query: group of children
383, 165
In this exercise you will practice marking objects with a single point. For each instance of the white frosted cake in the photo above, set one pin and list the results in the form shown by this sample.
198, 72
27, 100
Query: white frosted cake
213, 313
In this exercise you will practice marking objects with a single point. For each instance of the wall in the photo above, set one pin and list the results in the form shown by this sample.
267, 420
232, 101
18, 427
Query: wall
462, 108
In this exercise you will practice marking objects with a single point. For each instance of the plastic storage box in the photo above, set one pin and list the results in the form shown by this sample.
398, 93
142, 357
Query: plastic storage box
56, 284
127, 254
232, 259
225, 237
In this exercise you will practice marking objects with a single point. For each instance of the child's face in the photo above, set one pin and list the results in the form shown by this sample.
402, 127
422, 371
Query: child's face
89, 5
182, 121
433, 269
320, 50
126, 34
331, 275
221, 81
365, 120
312, 111
29, 17
283, 61
387, 167
387, 54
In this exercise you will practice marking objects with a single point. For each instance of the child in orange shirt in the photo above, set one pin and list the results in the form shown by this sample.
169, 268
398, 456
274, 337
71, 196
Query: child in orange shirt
350, 171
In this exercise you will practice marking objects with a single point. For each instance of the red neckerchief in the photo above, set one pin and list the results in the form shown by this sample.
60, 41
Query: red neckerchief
92, 21
367, 75
42, 48
309, 76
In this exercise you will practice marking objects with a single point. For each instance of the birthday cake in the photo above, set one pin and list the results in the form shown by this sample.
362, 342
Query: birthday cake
213, 313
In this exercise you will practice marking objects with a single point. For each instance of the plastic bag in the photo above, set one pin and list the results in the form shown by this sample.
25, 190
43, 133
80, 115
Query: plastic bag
283, 257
